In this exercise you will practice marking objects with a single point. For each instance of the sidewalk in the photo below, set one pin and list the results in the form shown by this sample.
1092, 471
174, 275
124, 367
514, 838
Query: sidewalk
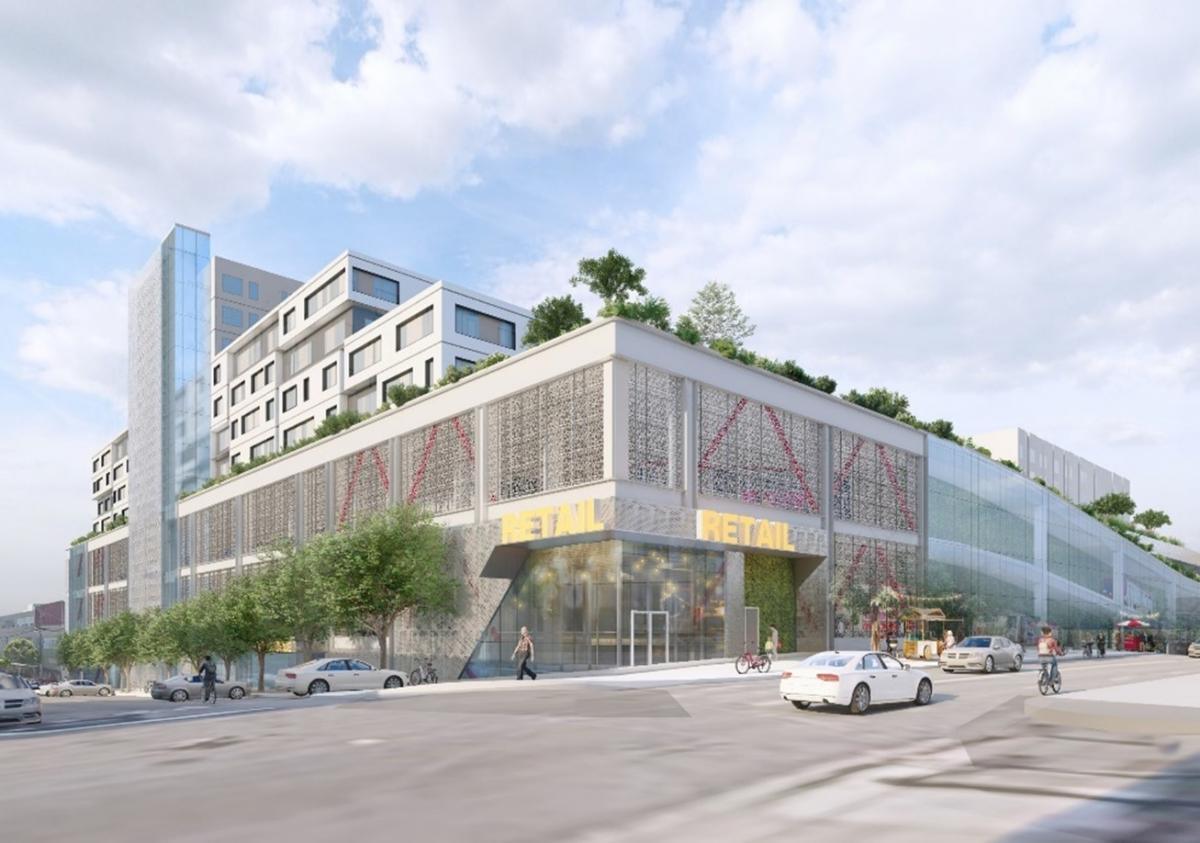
1154, 707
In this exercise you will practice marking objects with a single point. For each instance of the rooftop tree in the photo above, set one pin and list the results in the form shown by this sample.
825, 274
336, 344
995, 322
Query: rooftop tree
553, 317
717, 315
612, 278
1152, 519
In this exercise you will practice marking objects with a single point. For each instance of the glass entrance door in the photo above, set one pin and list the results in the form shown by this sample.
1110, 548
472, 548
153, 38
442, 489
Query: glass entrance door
649, 638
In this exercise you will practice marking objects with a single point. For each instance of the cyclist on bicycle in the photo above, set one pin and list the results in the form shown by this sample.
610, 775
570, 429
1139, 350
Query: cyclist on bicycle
1049, 650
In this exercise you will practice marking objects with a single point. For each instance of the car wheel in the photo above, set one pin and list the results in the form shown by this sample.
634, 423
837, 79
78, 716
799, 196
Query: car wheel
179, 695
318, 686
104, 692
66, 692
989, 664
393, 681
924, 692
1018, 663
237, 692
860, 700
801, 705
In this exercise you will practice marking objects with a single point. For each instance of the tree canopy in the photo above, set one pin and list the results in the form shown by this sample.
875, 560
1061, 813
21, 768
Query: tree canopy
1114, 503
717, 315
21, 651
553, 317
115, 641
613, 278
1152, 519
652, 310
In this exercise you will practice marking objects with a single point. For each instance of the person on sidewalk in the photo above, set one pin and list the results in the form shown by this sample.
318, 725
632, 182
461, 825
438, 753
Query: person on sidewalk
1049, 650
771, 645
523, 654
208, 674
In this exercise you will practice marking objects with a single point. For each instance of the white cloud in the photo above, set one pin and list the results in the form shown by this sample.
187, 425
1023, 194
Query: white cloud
75, 338
162, 113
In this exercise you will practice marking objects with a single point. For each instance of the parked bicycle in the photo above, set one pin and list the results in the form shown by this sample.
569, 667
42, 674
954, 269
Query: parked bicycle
424, 673
749, 661
1047, 684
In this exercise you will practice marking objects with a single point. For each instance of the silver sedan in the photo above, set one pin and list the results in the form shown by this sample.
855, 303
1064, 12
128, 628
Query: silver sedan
982, 652
79, 688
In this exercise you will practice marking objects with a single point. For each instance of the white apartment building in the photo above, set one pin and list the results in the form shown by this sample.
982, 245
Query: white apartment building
340, 342
241, 296
110, 481
1080, 480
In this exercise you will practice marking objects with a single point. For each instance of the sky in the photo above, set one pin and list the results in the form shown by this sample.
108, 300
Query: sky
991, 208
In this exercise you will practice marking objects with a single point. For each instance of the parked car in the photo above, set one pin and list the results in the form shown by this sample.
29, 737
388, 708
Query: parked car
78, 687
33, 684
856, 680
18, 702
322, 675
183, 688
1194, 650
982, 652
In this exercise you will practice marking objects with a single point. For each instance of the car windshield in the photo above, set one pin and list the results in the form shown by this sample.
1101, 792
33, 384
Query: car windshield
828, 660
8, 682
976, 642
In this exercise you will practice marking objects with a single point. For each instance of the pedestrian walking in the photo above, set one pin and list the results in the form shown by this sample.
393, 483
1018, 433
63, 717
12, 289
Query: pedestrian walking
771, 645
523, 654
208, 673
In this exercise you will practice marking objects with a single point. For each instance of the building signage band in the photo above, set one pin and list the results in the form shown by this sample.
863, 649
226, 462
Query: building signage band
550, 522
743, 530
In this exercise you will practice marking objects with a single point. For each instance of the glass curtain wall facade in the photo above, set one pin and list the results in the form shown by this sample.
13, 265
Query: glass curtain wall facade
1007, 554
585, 604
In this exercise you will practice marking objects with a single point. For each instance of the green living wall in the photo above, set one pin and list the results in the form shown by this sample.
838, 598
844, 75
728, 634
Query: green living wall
771, 586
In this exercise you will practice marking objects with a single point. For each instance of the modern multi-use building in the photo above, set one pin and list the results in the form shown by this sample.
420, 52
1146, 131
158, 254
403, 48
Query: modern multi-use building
627, 496
1080, 481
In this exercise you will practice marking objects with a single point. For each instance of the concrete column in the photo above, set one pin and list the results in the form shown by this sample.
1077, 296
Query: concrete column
300, 526
238, 524
827, 523
691, 459
395, 496
330, 511
735, 603
616, 420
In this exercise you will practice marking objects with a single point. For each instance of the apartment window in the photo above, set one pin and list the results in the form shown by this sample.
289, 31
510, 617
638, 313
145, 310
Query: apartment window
269, 409
216, 407
366, 356
429, 373
289, 320
225, 341
267, 446
250, 421
289, 398
463, 363
329, 376
331, 411
364, 401
216, 374
238, 394
324, 295
472, 323
231, 316
255, 382
222, 440
376, 287
95, 466
261, 378
253, 285
305, 390
231, 284
411, 330
233, 430
251, 318
103, 460
268, 373
294, 434
405, 378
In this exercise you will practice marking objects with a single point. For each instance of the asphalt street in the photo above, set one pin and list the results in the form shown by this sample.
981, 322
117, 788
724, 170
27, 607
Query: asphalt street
581, 761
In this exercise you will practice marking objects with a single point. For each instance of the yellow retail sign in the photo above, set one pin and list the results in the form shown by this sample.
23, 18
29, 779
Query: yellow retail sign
550, 522
743, 530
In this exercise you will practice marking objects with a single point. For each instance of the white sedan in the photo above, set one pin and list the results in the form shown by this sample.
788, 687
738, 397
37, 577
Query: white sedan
77, 688
855, 680
323, 675
18, 702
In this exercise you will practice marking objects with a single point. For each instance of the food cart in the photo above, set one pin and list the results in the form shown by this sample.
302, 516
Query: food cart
924, 629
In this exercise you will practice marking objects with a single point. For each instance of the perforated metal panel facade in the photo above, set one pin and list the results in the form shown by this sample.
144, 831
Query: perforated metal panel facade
874, 484
437, 465
269, 515
548, 437
362, 483
757, 454
316, 509
655, 427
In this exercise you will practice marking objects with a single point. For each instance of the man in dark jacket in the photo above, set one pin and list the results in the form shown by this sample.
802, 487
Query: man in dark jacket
208, 673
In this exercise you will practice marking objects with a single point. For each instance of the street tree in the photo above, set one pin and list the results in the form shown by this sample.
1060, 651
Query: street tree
717, 315
224, 624
188, 627
155, 644
74, 650
22, 651
612, 278
115, 642
1152, 519
553, 317
386, 564
298, 589
254, 617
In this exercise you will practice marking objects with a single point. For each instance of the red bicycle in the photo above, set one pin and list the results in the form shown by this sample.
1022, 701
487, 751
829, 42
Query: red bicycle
749, 661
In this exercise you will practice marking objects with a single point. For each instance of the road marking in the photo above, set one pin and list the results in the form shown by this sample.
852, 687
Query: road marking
365, 741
